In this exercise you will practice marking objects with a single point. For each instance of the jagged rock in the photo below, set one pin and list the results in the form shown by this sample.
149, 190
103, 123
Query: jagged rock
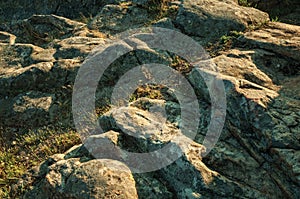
240, 64
277, 37
186, 177
141, 127
150, 187
170, 108
209, 20
289, 158
257, 154
194, 18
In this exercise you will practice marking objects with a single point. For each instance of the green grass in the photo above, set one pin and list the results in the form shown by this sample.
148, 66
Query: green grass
29, 150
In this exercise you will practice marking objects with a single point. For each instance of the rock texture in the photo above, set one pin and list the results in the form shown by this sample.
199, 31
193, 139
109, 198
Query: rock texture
76, 178
24, 9
257, 154
210, 20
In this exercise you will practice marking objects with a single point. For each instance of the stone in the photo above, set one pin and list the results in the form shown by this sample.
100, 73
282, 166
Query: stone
287, 44
239, 64
22, 55
26, 78
72, 178
74, 47
41, 29
257, 153
164, 23
7, 38
75, 10
28, 109
211, 19
117, 18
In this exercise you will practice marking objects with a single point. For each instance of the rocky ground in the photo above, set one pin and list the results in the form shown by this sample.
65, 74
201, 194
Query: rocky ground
42, 48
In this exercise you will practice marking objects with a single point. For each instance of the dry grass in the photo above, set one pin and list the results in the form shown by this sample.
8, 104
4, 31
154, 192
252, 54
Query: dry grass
26, 151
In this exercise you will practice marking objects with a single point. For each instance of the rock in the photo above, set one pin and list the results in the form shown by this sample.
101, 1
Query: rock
289, 159
209, 20
292, 17
41, 29
239, 64
257, 153
117, 18
72, 178
171, 108
7, 38
29, 109
155, 188
24, 9
282, 137
73, 47
24, 79
277, 37
290, 121
144, 2
22, 55
165, 23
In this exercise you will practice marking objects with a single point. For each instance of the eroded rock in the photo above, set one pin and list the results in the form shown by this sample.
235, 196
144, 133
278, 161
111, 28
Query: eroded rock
73, 178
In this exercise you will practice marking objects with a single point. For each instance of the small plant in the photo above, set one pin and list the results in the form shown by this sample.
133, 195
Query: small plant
276, 19
225, 39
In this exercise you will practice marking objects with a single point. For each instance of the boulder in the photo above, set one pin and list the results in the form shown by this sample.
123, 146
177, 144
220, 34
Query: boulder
210, 19
74, 178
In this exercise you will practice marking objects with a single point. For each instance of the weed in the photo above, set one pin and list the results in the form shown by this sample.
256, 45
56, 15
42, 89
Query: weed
276, 19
